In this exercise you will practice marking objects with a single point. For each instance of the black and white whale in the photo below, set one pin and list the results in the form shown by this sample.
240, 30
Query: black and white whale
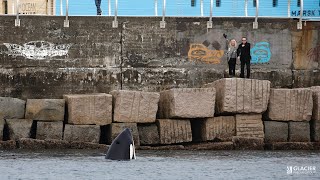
122, 147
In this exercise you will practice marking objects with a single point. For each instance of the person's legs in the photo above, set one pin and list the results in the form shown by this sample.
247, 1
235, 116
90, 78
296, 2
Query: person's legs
98, 5
242, 68
230, 67
248, 68
233, 62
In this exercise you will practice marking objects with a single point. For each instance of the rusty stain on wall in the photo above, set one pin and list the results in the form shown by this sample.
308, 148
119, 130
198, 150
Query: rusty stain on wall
199, 52
314, 54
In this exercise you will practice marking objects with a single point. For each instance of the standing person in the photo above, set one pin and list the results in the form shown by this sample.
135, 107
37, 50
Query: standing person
232, 57
244, 53
98, 4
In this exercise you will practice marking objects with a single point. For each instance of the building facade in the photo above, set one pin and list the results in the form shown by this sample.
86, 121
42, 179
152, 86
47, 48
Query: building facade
28, 7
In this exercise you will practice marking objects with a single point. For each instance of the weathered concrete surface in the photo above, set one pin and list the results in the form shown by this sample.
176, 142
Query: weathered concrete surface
248, 143
49, 130
316, 102
211, 146
279, 78
82, 133
173, 131
250, 126
8, 145
299, 131
19, 128
163, 147
222, 128
2, 122
89, 108
148, 134
290, 104
135, 106
290, 146
187, 103
117, 128
239, 95
306, 78
275, 131
12, 108
45, 109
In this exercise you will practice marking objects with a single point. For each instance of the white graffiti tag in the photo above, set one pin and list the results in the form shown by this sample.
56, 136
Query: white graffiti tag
37, 50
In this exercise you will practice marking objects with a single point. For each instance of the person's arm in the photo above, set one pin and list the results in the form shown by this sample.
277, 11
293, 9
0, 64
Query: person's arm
238, 51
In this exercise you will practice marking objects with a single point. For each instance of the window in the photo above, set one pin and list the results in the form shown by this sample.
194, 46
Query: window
193, 3
299, 3
274, 3
254, 3
218, 3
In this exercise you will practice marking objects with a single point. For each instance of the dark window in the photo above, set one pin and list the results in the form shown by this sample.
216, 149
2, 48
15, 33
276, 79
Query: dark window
274, 3
218, 3
193, 3
254, 3
298, 3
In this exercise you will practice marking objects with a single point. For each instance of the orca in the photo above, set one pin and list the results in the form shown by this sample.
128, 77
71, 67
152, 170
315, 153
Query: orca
122, 147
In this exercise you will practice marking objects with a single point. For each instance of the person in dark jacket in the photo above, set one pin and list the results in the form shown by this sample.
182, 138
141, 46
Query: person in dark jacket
243, 52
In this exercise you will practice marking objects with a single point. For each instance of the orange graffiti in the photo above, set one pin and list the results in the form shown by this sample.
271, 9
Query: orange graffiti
199, 52
314, 54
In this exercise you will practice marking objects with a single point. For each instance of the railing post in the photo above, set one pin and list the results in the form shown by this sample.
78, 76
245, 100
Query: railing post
115, 22
109, 7
299, 24
209, 23
246, 8
66, 21
163, 23
201, 7
17, 20
61, 12
289, 8
255, 23
156, 7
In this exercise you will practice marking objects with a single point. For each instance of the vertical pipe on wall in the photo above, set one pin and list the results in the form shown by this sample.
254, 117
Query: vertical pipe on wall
61, 8
115, 22
246, 8
255, 24
17, 20
66, 22
156, 7
299, 24
109, 7
209, 23
201, 7
289, 8
163, 23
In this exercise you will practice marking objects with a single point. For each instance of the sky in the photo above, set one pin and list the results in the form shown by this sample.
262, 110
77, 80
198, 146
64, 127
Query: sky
182, 7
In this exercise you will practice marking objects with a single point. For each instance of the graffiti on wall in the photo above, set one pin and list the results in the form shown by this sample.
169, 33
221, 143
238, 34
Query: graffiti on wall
199, 52
260, 53
37, 50
314, 54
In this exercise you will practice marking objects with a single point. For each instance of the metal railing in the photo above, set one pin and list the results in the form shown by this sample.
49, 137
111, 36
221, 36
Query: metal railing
182, 8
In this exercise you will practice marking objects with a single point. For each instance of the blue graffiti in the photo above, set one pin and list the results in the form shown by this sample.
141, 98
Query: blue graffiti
260, 53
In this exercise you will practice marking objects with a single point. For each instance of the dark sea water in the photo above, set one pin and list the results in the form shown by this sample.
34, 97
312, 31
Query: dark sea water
88, 164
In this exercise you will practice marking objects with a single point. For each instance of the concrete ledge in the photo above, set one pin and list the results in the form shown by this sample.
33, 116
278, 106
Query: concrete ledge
246, 143
8, 145
290, 146
169, 147
211, 146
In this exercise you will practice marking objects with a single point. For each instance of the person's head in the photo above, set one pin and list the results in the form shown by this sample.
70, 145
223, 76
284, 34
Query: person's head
244, 40
233, 42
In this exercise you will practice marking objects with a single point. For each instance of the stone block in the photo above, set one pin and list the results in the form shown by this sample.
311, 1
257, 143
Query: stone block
12, 108
45, 109
248, 143
222, 127
239, 95
299, 131
315, 130
148, 134
85, 109
290, 104
249, 125
173, 131
2, 122
316, 102
28, 143
19, 128
117, 128
82, 133
135, 106
275, 131
49, 130
187, 103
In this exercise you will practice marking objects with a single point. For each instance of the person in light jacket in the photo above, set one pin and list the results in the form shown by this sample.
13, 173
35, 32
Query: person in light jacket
232, 57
